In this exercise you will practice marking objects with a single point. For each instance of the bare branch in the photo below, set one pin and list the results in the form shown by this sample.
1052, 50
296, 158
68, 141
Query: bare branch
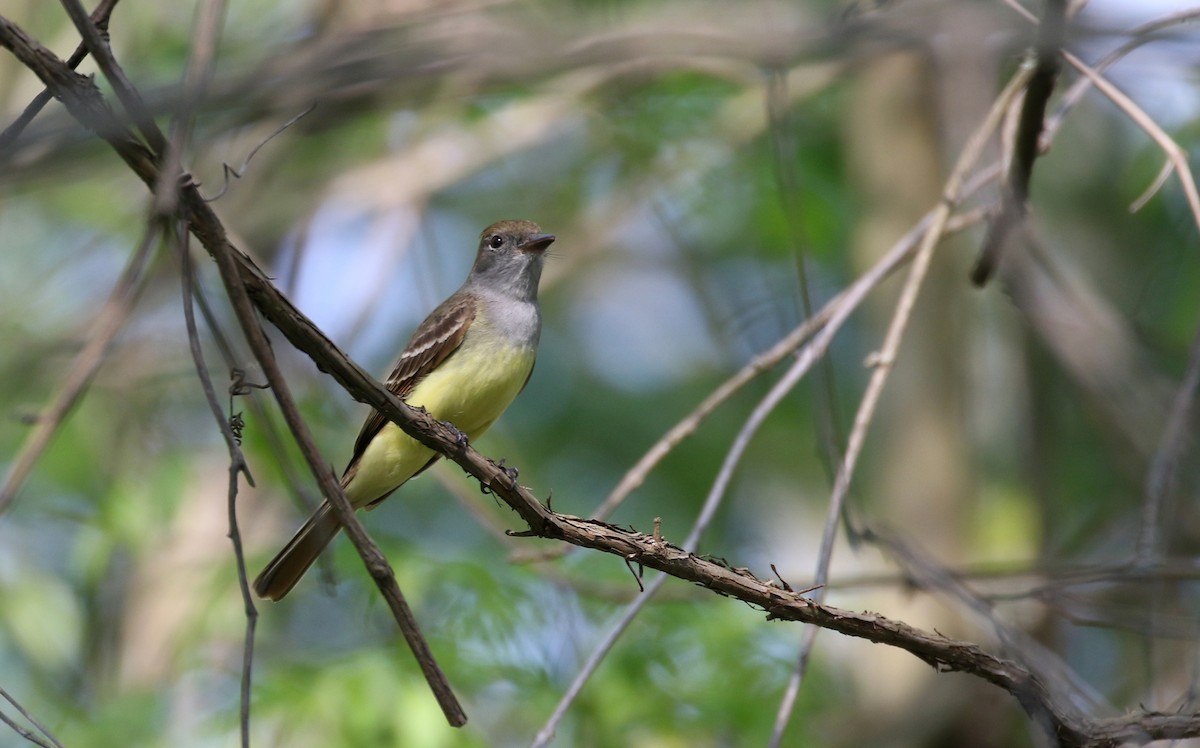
1030, 124
882, 362
1175, 153
245, 281
100, 18
97, 45
49, 740
108, 322
237, 465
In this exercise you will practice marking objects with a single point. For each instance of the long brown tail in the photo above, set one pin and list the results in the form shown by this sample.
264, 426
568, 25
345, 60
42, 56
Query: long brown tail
281, 575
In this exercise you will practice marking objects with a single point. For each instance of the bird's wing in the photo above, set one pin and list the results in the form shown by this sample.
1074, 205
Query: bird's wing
438, 336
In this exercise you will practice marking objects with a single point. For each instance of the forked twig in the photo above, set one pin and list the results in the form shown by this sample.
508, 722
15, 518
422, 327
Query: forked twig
100, 18
1175, 153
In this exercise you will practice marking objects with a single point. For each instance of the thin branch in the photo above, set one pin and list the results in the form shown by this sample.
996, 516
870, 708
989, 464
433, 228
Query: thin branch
1070, 728
100, 18
943, 653
833, 315
1175, 153
246, 284
97, 46
237, 464
49, 742
372, 557
787, 180
1015, 196
108, 323
209, 17
883, 361
605, 645
1156, 184
1140, 35
239, 172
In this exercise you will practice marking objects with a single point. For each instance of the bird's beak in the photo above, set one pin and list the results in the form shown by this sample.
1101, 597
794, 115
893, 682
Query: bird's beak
537, 243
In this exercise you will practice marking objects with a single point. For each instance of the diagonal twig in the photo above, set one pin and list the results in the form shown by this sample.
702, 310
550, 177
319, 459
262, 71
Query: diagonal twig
100, 18
883, 361
372, 557
49, 742
1175, 153
97, 45
829, 321
108, 323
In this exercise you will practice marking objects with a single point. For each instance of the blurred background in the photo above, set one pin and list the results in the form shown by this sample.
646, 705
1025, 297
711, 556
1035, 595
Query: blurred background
703, 165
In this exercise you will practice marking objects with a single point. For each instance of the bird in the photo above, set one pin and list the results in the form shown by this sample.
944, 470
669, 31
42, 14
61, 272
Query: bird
464, 364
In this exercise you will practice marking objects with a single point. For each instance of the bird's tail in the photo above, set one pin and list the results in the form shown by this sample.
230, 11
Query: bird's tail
281, 575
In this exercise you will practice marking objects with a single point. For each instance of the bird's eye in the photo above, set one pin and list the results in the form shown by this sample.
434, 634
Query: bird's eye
496, 241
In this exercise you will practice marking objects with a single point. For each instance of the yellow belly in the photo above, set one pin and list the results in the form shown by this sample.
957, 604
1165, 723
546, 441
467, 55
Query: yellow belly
471, 392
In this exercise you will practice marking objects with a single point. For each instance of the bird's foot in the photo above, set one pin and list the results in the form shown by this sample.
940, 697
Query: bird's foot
511, 472
459, 437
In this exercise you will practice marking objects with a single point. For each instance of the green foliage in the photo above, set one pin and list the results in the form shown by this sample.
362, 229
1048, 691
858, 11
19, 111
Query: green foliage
682, 222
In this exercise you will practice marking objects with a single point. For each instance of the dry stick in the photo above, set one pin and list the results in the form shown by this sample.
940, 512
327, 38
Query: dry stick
1140, 35
1015, 196
829, 321
244, 279
101, 52
237, 464
31, 737
12, 132
1175, 154
373, 559
636, 475
267, 425
1165, 458
951, 194
196, 77
1163, 465
110, 321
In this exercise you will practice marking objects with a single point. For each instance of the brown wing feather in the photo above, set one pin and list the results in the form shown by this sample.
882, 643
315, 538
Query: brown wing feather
438, 336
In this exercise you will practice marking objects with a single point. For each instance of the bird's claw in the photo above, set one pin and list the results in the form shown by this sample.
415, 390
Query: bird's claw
511, 472
459, 437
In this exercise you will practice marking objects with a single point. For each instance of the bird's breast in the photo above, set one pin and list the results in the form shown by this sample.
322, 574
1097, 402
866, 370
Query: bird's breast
475, 384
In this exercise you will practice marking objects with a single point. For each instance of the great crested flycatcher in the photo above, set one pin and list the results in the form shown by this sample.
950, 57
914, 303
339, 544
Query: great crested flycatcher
465, 363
